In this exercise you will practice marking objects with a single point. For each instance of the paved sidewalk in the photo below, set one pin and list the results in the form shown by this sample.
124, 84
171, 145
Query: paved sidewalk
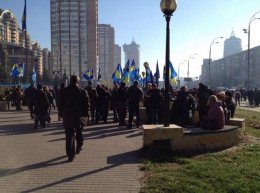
245, 105
35, 160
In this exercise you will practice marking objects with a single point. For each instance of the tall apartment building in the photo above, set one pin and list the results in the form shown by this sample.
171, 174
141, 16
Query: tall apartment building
232, 45
106, 40
46, 61
132, 52
12, 39
38, 58
117, 59
74, 36
9, 28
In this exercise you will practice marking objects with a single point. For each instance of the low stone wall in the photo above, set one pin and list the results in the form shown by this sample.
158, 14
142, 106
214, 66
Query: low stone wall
195, 139
4, 105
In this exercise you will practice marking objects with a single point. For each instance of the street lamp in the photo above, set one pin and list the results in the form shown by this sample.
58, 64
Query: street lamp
146, 66
212, 42
167, 7
248, 49
179, 72
192, 56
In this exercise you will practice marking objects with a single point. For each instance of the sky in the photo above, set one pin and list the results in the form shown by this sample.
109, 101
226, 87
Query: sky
193, 26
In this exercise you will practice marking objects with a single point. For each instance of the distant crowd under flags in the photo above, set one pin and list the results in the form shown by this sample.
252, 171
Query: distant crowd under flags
130, 74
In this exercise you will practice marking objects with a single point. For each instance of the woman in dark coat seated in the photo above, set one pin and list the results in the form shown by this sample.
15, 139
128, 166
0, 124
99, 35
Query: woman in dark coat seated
215, 118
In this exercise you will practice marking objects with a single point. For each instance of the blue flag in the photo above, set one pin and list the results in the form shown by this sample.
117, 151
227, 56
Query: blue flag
24, 17
132, 67
17, 70
88, 75
33, 75
126, 73
21, 69
126, 68
14, 72
157, 74
172, 74
119, 72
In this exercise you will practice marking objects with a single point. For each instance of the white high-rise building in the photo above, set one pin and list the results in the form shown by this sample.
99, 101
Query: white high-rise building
232, 45
118, 58
132, 52
106, 40
74, 36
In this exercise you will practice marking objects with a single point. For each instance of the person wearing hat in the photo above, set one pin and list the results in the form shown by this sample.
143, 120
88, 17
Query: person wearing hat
231, 105
155, 100
74, 106
92, 93
134, 96
41, 106
120, 98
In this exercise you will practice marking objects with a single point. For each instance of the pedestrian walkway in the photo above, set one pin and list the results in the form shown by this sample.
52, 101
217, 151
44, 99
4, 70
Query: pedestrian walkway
245, 106
35, 160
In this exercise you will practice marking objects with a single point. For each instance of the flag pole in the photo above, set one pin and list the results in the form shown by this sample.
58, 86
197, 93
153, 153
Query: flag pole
24, 27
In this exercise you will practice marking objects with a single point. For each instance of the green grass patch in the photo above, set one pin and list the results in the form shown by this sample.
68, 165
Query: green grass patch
236, 170
252, 119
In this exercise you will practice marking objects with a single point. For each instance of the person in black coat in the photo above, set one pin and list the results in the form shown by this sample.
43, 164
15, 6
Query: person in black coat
182, 107
29, 95
58, 102
92, 93
41, 107
113, 102
203, 95
134, 95
230, 103
74, 106
120, 98
155, 101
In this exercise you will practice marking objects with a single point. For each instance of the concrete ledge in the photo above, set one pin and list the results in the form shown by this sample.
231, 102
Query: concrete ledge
4, 105
195, 139
143, 115
153, 133
200, 131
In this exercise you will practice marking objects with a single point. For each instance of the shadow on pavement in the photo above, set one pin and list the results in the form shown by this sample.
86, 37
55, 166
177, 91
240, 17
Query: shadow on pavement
131, 157
52, 162
21, 129
98, 132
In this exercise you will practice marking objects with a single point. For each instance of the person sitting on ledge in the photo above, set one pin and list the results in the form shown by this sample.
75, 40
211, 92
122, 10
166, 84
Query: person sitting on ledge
215, 118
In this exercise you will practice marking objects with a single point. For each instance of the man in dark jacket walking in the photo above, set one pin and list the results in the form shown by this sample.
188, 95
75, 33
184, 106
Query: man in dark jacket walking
134, 96
41, 107
92, 93
74, 106
30, 95
120, 98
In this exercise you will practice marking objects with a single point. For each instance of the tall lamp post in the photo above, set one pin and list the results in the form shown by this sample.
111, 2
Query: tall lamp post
191, 57
167, 7
179, 72
146, 66
214, 41
248, 48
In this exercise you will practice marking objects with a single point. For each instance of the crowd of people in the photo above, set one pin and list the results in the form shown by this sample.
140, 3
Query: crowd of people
77, 107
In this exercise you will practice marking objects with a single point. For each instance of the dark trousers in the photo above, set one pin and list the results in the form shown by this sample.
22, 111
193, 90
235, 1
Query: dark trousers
40, 118
155, 116
121, 109
30, 106
92, 113
70, 140
115, 115
133, 108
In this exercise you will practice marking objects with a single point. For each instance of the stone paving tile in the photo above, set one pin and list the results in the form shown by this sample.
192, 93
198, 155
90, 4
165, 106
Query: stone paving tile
35, 160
